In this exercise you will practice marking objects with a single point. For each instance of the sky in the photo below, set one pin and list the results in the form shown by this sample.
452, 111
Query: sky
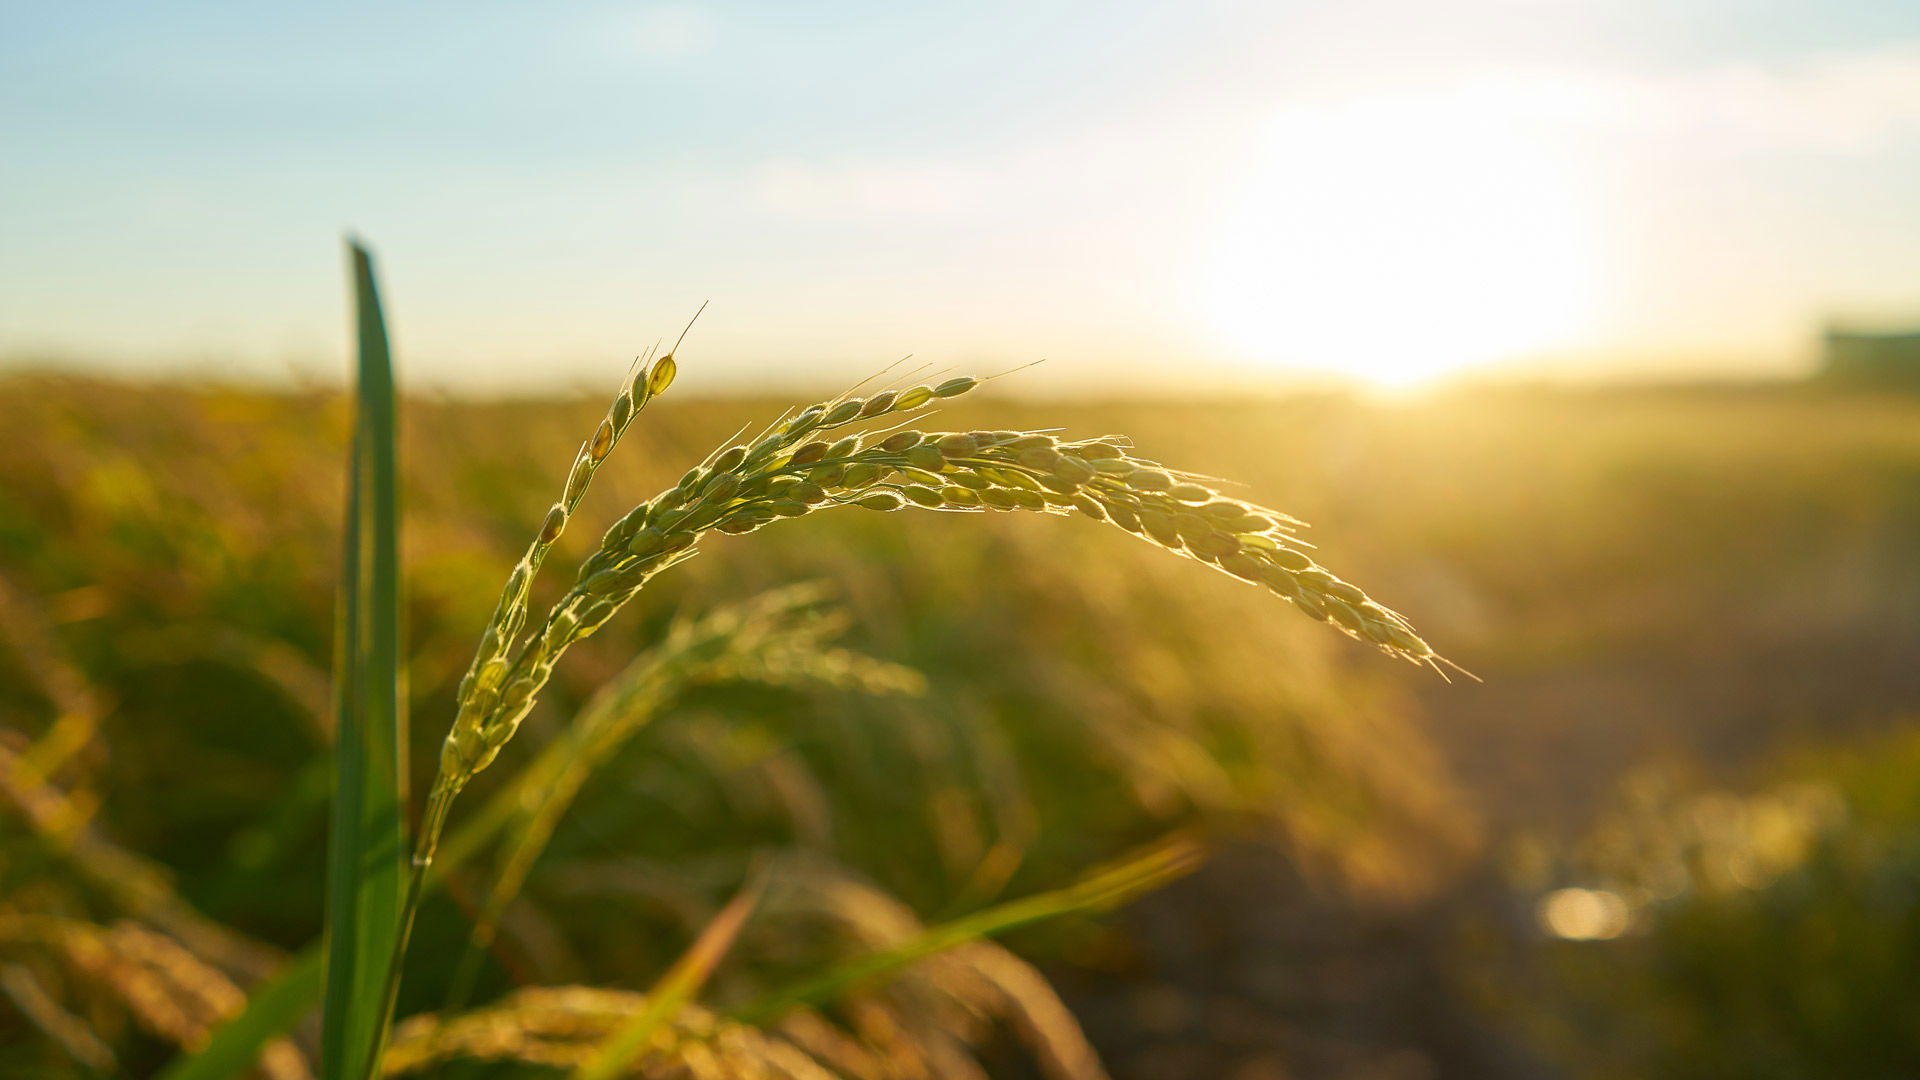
1147, 195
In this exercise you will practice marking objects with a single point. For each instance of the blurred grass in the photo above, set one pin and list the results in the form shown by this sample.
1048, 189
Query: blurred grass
1712, 573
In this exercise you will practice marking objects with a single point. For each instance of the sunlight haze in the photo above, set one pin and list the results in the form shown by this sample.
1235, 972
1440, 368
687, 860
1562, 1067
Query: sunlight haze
1143, 194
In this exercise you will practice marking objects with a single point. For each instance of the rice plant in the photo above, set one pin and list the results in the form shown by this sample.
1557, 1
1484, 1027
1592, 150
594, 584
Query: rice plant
873, 452
884, 996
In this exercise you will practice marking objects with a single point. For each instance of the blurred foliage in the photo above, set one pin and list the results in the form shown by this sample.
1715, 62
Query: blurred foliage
1772, 933
177, 543
1700, 575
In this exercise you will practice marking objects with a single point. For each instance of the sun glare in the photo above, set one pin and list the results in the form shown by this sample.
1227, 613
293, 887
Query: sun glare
1399, 240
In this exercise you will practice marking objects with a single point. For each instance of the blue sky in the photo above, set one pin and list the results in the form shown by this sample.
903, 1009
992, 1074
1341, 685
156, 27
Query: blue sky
1201, 191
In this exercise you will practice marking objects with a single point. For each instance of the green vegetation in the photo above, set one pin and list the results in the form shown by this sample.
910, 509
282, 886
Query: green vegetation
953, 717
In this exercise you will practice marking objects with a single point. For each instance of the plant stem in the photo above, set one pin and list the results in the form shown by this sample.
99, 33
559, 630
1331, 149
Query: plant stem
432, 823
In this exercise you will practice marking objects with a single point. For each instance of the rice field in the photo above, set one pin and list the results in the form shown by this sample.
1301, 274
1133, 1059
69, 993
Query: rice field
1250, 846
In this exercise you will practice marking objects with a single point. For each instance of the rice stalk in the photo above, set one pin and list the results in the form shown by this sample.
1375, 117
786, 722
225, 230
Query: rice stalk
791, 469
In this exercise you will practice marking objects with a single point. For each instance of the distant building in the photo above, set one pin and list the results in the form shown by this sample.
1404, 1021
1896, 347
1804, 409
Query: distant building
1860, 359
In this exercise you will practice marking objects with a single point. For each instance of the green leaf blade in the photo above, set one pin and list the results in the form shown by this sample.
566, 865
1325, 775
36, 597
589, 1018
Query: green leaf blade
366, 851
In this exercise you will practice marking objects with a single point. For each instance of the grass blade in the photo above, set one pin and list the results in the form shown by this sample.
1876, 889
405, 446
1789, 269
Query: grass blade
364, 871
272, 1010
1102, 889
676, 988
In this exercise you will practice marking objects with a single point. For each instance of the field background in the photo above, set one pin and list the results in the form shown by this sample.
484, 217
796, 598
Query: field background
1696, 612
